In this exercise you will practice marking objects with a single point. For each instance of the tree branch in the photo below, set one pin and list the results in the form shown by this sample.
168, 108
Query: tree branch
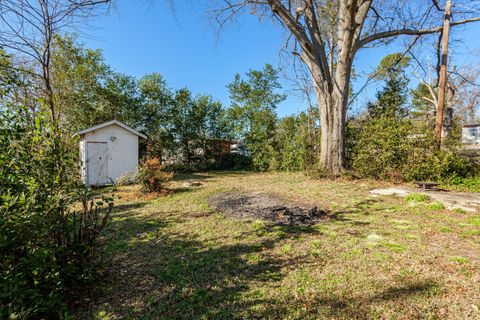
316, 38
393, 33
279, 10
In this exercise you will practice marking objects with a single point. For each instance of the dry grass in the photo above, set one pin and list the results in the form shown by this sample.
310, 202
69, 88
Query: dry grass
172, 257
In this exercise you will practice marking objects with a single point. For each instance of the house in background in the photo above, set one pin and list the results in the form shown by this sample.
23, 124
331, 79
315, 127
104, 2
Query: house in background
471, 136
108, 152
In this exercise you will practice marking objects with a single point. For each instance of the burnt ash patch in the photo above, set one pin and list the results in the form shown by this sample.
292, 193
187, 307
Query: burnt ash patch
264, 207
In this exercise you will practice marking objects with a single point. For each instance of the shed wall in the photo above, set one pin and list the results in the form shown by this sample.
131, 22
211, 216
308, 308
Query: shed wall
122, 151
83, 167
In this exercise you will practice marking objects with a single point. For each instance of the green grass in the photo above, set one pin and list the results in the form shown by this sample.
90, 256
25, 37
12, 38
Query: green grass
471, 184
173, 257
416, 197
459, 260
286, 249
474, 221
436, 206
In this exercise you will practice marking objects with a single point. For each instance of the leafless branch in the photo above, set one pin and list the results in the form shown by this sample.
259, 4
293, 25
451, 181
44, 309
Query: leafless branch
27, 28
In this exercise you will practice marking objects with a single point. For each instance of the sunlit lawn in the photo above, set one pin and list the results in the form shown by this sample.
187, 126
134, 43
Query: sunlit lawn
172, 257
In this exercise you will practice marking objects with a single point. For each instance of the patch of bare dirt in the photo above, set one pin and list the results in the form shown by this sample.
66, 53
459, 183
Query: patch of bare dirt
468, 201
263, 207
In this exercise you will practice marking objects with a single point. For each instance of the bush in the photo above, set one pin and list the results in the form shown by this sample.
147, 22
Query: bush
152, 175
297, 143
379, 148
472, 184
417, 197
125, 180
435, 206
47, 249
390, 148
442, 166
196, 165
235, 161
229, 161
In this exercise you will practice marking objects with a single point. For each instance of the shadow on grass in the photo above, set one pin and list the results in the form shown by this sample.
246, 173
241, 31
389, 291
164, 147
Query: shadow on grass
127, 207
291, 231
180, 190
364, 207
155, 274
211, 174
191, 176
196, 281
360, 307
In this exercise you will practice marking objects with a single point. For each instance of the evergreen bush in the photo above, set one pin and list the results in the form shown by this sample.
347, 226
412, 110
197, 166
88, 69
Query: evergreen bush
47, 249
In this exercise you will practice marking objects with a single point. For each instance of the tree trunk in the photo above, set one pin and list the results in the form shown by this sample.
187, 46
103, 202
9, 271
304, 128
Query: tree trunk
332, 101
332, 107
332, 86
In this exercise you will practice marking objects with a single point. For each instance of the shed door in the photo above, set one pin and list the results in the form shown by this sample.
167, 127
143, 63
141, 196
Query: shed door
97, 163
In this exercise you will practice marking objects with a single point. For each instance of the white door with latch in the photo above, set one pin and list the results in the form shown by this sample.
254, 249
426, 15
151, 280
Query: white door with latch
97, 163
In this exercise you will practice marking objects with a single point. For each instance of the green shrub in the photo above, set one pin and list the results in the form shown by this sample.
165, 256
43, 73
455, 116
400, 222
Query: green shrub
389, 143
152, 175
471, 184
233, 161
125, 180
417, 197
442, 165
388, 148
435, 206
379, 141
46, 249
188, 166
460, 259
380, 148
297, 142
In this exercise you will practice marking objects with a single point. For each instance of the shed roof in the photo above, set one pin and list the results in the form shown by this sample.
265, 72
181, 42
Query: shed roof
109, 123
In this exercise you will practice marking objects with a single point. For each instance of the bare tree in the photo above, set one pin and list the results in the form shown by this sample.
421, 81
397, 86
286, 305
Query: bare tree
27, 28
465, 91
327, 35
462, 97
470, 105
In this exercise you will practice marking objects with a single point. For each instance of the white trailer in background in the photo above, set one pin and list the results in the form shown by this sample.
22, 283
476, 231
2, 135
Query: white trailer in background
471, 136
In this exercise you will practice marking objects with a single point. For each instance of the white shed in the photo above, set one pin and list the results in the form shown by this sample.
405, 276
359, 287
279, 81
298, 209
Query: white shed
107, 152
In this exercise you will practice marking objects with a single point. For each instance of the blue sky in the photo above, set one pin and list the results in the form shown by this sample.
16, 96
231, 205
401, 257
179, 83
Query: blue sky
186, 47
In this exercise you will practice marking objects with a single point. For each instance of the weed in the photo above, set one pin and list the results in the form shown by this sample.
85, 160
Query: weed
315, 252
459, 259
474, 221
416, 197
471, 233
315, 243
445, 229
259, 293
396, 247
253, 258
382, 257
412, 236
436, 206
102, 315
374, 239
258, 226
286, 249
